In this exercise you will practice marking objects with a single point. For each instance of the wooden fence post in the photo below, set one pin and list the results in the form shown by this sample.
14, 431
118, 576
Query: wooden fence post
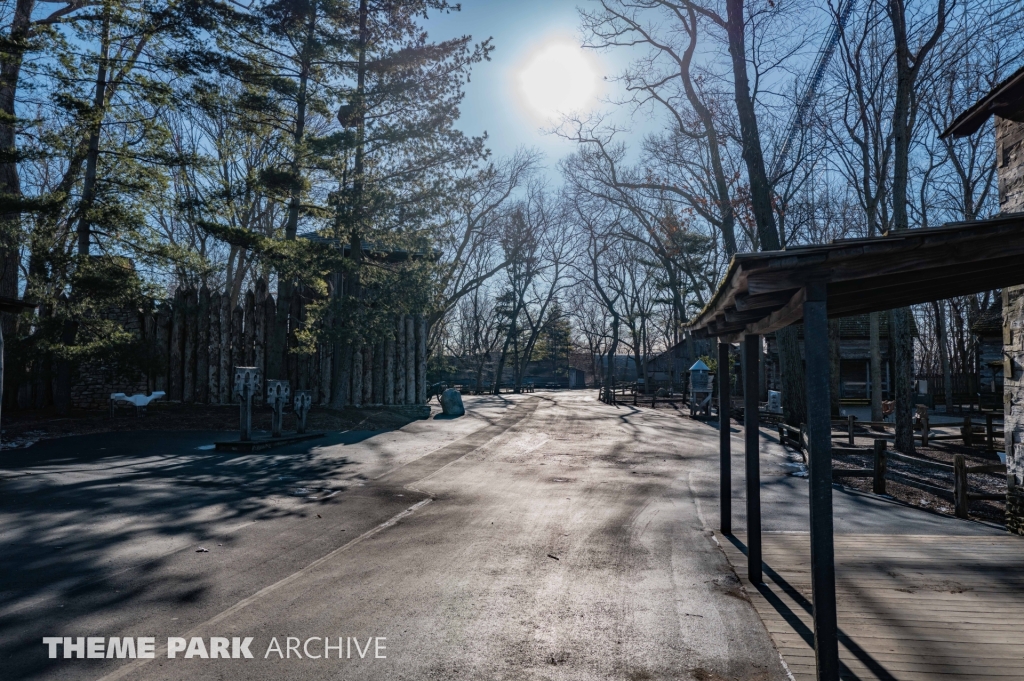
879, 482
399, 359
213, 334
378, 373
357, 376
188, 380
960, 485
968, 432
224, 384
421, 359
163, 347
389, 368
367, 375
410, 360
850, 419
260, 327
203, 347
177, 345
989, 435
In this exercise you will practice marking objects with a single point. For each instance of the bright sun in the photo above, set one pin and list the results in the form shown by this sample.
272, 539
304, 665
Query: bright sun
557, 79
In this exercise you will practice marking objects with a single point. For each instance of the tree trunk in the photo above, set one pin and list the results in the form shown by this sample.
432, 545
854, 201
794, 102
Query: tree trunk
791, 366
10, 181
903, 368
943, 340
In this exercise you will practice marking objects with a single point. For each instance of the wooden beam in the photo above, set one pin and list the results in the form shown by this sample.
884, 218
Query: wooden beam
819, 469
745, 301
752, 441
724, 440
791, 313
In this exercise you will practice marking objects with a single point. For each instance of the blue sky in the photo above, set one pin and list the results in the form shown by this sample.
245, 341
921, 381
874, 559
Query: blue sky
519, 29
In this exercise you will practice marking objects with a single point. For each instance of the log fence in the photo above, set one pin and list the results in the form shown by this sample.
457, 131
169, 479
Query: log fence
197, 338
960, 494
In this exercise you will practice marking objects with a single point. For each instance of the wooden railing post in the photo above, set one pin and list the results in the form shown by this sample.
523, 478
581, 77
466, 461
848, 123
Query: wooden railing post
968, 432
960, 485
879, 483
850, 420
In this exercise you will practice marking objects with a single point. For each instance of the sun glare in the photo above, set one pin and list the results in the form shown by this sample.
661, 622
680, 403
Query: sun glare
557, 79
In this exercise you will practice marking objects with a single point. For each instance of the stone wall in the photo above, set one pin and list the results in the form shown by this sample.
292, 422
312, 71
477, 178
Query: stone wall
1010, 166
93, 382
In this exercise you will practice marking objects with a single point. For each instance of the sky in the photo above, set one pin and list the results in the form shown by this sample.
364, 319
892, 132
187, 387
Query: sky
497, 99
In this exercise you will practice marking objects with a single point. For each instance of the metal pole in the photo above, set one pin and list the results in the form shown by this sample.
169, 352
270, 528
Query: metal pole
823, 571
752, 436
724, 439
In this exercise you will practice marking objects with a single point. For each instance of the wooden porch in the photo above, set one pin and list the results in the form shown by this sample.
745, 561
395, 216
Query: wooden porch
910, 608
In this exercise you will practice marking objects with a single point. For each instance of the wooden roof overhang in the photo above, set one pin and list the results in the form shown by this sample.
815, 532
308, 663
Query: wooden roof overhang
764, 292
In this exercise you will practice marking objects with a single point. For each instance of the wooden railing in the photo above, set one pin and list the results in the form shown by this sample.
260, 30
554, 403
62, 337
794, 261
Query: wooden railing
960, 495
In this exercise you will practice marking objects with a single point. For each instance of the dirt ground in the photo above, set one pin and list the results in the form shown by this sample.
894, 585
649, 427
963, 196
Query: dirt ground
22, 428
941, 452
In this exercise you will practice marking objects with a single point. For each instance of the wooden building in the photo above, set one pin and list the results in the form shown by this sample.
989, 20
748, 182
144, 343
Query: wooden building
1006, 103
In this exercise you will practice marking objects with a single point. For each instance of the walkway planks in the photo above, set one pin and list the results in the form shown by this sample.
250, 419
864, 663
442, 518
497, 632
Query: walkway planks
911, 608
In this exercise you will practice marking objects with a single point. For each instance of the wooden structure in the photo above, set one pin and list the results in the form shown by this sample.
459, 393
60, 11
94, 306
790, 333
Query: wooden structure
911, 607
764, 292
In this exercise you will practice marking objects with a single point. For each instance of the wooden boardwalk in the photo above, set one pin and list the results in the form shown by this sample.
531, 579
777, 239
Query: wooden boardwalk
910, 607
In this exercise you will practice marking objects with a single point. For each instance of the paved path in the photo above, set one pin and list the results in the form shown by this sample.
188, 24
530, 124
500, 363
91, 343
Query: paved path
544, 536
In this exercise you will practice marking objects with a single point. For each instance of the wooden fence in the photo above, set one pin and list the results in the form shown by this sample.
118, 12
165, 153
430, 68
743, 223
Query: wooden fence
197, 339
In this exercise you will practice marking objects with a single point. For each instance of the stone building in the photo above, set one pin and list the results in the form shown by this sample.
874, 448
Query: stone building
1006, 103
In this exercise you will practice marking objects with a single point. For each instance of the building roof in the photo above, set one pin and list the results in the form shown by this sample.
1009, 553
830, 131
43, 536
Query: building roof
763, 292
1005, 100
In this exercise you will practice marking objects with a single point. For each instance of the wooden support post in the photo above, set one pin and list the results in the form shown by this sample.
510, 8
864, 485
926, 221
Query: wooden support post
968, 432
960, 485
752, 436
724, 441
989, 435
879, 482
819, 426
850, 419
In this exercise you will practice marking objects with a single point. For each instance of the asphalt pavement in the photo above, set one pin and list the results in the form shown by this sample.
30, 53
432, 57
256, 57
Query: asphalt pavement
543, 536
